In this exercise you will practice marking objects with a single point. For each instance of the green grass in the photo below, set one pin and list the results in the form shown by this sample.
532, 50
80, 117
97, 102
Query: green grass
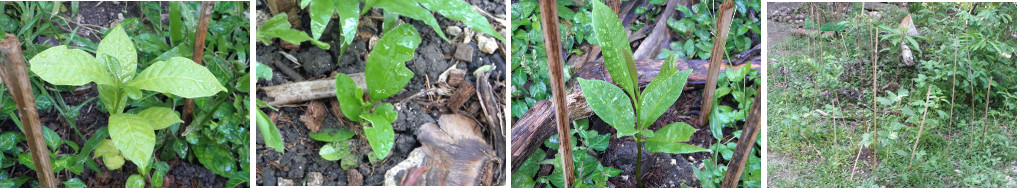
948, 155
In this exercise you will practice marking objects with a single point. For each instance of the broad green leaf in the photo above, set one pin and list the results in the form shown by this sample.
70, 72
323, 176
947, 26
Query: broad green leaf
409, 9
668, 140
321, 11
333, 151
386, 71
176, 25
160, 117
74, 183
52, 139
380, 135
135, 181
179, 76
216, 158
133, 136
112, 98
332, 135
110, 155
10, 139
269, 132
660, 94
279, 27
530, 166
116, 52
349, 12
263, 71
610, 103
597, 141
351, 97
161, 168
61, 66
462, 11
617, 52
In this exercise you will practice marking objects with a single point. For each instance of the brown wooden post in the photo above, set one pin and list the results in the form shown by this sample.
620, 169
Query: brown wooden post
745, 144
16, 78
199, 49
552, 45
724, 15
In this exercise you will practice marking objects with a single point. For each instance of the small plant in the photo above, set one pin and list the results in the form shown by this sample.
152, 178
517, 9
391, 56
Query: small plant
386, 75
114, 70
697, 24
338, 147
611, 103
591, 172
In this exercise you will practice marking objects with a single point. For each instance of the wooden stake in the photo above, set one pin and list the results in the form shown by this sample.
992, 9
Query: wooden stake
552, 45
723, 26
985, 122
16, 78
875, 58
746, 142
199, 50
953, 85
921, 126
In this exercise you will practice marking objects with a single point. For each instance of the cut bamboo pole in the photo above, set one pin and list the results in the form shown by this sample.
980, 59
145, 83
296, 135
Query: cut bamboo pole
16, 78
953, 85
875, 58
746, 142
552, 45
985, 122
921, 126
723, 27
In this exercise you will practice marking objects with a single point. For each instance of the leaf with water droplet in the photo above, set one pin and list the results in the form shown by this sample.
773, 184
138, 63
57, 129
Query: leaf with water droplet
380, 135
660, 94
668, 139
610, 103
386, 73
616, 49
179, 76
118, 46
62, 66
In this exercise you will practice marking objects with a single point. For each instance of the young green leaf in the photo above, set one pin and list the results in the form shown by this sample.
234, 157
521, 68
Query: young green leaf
279, 27
135, 181
332, 135
462, 11
333, 151
179, 76
380, 135
133, 136
116, 52
349, 12
61, 66
668, 140
216, 158
660, 94
269, 132
160, 117
351, 97
161, 168
386, 72
110, 155
617, 52
321, 11
611, 104
409, 9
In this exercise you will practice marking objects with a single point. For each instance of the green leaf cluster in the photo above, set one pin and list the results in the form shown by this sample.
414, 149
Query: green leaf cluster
698, 23
386, 75
591, 173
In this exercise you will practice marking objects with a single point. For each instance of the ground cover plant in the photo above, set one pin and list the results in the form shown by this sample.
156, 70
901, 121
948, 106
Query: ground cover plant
396, 67
913, 94
623, 144
139, 59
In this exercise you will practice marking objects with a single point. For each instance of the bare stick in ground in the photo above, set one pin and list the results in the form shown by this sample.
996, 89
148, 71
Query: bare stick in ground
875, 58
16, 78
549, 20
971, 82
953, 85
985, 122
745, 144
199, 49
921, 126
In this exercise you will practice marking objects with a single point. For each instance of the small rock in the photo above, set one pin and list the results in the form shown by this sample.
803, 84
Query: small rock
372, 42
464, 52
286, 182
354, 178
454, 30
315, 179
487, 44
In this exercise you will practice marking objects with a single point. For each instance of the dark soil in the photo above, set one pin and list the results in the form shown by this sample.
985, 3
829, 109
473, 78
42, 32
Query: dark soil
433, 56
93, 117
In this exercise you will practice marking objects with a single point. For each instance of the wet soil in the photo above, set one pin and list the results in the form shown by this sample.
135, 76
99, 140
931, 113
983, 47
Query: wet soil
433, 57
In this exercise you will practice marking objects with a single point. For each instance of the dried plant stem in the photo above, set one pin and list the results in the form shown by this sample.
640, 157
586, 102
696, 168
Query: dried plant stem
921, 126
985, 122
953, 85
549, 20
16, 78
875, 58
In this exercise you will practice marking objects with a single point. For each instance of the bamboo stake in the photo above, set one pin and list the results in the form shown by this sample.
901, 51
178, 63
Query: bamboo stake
985, 122
921, 126
875, 58
199, 50
552, 45
16, 78
723, 26
953, 85
745, 144
971, 82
